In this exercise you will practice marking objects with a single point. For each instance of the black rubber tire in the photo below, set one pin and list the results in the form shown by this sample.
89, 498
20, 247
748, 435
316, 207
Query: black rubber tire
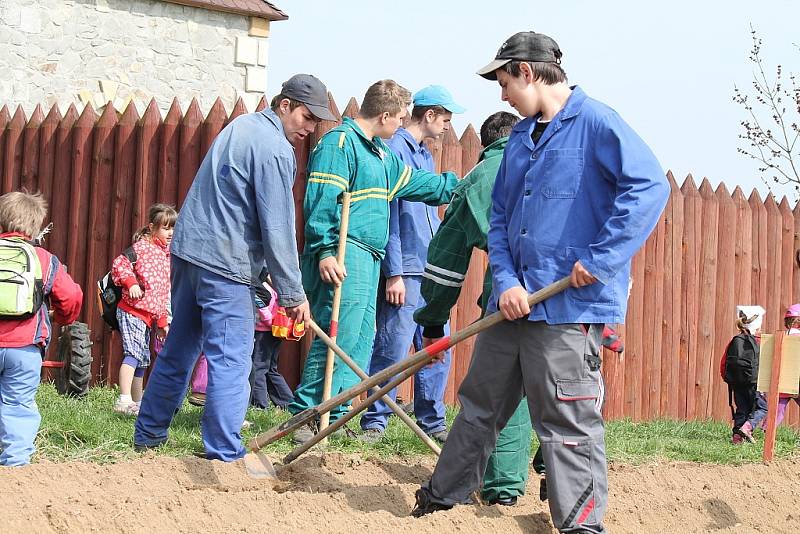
75, 350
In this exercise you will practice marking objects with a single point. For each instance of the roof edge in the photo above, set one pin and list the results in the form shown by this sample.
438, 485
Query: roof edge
270, 12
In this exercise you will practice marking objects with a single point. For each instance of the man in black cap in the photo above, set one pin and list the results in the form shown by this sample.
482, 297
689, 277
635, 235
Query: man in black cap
577, 194
238, 219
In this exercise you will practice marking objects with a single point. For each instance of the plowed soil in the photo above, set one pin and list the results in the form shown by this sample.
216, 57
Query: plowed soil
342, 493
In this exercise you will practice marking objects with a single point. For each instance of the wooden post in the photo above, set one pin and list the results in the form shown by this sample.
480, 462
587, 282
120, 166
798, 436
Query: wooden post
772, 398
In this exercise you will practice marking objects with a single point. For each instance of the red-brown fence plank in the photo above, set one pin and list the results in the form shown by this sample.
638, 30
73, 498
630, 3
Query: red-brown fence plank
97, 236
122, 200
725, 296
12, 165
670, 341
634, 340
787, 276
29, 178
5, 118
169, 156
238, 109
653, 320
773, 319
189, 149
81, 167
692, 210
708, 284
62, 185
212, 125
48, 139
351, 109
324, 127
758, 286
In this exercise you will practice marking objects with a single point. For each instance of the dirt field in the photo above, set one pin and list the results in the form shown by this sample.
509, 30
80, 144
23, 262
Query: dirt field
337, 493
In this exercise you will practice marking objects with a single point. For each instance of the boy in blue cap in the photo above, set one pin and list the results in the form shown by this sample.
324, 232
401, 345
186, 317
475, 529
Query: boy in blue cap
411, 227
577, 194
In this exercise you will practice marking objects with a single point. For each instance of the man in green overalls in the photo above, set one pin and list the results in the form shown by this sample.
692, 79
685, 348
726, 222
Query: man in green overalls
352, 157
464, 228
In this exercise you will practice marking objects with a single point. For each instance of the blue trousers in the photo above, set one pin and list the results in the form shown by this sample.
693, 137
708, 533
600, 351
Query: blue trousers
266, 382
20, 370
395, 332
215, 316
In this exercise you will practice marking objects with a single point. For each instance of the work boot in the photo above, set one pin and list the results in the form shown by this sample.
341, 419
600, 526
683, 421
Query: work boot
425, 505
371, 436
543, 489
439, 437
304, 433
504, 501
197, 399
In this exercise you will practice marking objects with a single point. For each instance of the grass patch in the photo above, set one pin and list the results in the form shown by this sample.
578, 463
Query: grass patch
89, 430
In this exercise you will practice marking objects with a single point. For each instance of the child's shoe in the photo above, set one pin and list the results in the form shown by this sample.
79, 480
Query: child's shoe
126, 407
736, 439
746, 431
197, 399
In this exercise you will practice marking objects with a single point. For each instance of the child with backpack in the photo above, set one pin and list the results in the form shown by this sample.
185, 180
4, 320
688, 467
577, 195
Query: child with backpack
739, 369
791, 321
144, 304
32, 281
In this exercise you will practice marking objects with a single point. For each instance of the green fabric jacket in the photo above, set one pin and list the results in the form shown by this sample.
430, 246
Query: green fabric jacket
464, 227
346, 160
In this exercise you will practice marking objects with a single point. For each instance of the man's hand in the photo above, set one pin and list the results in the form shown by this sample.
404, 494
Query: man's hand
427, 342
580, 276
135, 292
300, 313
395, 290
514, 303
331, 272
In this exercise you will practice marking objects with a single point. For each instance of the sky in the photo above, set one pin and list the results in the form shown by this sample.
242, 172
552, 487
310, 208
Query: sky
668, 68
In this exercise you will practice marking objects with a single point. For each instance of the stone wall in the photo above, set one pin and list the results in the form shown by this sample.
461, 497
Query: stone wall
82, 51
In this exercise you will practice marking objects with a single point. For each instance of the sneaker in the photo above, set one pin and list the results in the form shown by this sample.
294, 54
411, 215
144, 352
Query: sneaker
246, 424
439, 437
746, 431
126, 408
425, 505
543, 489
371, 435
197, 399
737, 439
304, 433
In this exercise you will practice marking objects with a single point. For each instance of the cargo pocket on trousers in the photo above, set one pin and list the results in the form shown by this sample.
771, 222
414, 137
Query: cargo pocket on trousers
576, 390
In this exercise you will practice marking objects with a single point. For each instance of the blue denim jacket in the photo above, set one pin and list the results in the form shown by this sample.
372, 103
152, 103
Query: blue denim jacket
590, 190
238, 216
411, 224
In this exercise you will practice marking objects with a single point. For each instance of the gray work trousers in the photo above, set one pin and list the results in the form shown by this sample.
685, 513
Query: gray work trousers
558, 368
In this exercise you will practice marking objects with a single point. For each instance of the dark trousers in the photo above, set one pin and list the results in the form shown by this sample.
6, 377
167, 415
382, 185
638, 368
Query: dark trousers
265, 380
744, 397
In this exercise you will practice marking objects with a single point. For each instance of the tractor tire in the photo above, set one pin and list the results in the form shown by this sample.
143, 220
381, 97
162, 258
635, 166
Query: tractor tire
75, 350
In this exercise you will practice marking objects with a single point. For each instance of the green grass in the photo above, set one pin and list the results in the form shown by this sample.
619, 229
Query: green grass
88, 430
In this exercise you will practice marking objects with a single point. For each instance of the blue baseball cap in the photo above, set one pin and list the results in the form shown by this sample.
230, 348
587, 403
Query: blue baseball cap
436, 95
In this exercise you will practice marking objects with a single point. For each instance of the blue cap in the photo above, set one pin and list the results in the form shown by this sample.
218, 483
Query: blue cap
436, 95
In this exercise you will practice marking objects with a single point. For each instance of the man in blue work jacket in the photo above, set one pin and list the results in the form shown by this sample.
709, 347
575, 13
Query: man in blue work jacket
577, 194
411, 227
237, 219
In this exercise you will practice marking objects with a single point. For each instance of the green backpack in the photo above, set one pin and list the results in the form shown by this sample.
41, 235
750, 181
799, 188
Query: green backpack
21, 284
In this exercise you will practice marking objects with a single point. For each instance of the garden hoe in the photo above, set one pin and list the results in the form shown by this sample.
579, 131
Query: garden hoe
404, 368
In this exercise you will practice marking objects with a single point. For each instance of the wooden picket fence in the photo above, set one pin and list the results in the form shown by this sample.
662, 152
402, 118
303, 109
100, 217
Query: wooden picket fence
711, 250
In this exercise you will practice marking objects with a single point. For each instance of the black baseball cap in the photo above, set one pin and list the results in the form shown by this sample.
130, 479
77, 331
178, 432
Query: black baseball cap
523, 46
310, 91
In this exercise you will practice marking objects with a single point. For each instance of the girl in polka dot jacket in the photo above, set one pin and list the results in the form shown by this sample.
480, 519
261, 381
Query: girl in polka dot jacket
145, 302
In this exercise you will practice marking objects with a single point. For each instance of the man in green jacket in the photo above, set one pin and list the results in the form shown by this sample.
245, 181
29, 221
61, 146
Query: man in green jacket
463, 228
353, 157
